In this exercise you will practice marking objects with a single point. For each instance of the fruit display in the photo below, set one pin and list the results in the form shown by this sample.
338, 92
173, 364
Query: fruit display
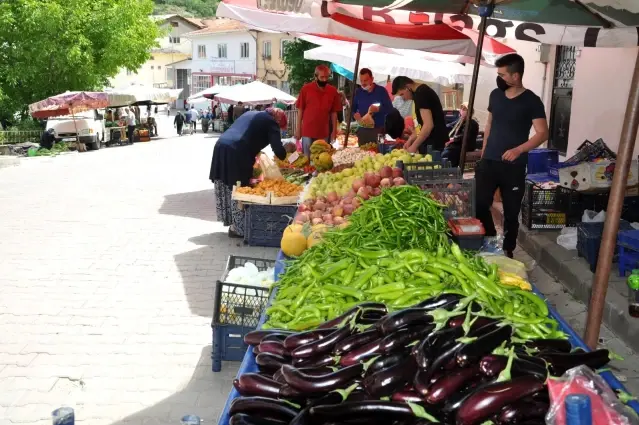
300, 162
371, 147
298, 237
349, 156
352, 139
294, 176
321, 155
276, 187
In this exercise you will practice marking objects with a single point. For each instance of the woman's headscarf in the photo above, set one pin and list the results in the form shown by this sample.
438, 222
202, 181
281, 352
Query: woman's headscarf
279, 116
459, 122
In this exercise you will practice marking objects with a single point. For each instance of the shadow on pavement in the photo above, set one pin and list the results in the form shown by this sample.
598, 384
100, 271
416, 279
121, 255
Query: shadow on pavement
204, 395
199, 205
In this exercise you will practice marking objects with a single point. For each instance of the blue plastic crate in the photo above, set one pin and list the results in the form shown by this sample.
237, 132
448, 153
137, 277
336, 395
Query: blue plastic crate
264, 224
228, 344
589, 240
539, 160
541, 178
385, 148
553, 169
628, 246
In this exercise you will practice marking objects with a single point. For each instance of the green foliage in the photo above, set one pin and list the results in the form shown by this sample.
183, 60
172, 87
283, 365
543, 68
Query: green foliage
300, 70
189, 8
48, 47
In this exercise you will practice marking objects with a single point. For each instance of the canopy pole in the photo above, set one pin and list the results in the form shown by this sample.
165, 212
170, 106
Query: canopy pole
353, 84
613, 213
81, 147
485, 11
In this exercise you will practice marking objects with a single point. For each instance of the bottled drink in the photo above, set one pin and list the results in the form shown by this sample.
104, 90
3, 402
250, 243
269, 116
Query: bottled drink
578, 409
633, 294
63, 416
190, 420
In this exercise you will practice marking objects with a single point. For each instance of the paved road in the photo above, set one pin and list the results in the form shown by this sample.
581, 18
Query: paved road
107, 266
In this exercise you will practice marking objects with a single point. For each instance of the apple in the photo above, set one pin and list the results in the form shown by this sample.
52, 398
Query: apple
398, 172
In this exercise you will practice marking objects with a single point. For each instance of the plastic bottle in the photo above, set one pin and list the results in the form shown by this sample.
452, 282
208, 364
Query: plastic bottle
63, 416
633, 294
578, 409
190, 420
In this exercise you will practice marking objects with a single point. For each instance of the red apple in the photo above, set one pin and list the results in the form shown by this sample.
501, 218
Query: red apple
386, 172
398, 172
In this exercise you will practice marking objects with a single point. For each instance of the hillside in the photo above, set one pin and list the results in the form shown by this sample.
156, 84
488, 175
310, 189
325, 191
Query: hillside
189, 8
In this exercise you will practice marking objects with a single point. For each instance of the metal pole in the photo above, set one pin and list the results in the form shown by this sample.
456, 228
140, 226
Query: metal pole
613, 213
473, 91
350, 106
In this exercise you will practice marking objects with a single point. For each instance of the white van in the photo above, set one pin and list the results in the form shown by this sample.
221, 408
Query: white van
90, 128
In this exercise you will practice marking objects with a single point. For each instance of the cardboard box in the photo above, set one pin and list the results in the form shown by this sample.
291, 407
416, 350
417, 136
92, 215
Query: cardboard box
594, 175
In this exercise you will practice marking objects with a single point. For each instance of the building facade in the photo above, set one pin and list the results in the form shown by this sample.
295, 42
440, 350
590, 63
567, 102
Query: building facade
270, 66
173, 47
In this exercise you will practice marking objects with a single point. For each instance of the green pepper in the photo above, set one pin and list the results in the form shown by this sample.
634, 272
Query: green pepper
372, 255
537, 302
427, 276
275, 308
493, 273
336, 268
350, 273
454, 248
364, 277
307, 324
311, 309
387, 296
302, 297
392, 287
350, 292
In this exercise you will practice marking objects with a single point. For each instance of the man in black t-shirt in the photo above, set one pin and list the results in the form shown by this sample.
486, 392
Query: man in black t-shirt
431, 124
512, 111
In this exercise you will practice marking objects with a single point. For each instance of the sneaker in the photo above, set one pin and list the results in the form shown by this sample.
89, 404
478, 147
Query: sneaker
509, 254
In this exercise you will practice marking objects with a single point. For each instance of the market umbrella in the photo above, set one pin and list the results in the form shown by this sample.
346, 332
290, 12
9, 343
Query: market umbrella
206, 93
253, 93
143, 95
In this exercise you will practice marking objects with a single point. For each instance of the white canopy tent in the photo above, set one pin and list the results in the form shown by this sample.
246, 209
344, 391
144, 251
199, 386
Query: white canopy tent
144, 94
253, 93
206, 94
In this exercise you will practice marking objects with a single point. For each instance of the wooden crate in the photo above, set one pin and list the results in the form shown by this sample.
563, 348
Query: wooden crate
253, 199
284, 200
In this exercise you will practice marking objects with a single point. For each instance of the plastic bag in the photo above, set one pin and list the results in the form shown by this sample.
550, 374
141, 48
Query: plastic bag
269, 169
606, 407
568, 238
493, 245
506, 264
593, 217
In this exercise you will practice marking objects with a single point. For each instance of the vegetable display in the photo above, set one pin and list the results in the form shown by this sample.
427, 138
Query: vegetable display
358, 370
277, 187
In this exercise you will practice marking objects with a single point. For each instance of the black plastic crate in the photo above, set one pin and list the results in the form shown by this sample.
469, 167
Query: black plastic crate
264, 224
589, 241
536, 195
574, 203
630, 210
457, 194
228, 344
535, 218
424, 172
469, 243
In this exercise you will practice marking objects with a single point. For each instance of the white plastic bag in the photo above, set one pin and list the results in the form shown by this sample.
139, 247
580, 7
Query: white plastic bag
593, 217
269, 169
568, 238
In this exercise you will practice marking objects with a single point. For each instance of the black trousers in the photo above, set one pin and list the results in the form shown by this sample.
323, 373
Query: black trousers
510, 179
130, 133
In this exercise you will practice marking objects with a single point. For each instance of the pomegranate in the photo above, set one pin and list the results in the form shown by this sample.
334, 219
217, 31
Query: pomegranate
357, 185
386, 172
398, 172
386, 182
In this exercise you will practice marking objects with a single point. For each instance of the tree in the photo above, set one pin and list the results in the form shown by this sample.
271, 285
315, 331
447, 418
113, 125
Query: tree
199, 8
300, 70
48, 47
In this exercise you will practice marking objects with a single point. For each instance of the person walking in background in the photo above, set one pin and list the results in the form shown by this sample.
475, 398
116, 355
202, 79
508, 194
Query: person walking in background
370, 98
318, 102
178, 122
193, 119
430, 126
512, 111
130, 124
238, 111
229, 114
454, 145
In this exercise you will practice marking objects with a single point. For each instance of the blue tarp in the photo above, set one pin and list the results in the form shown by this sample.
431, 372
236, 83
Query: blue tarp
342, 71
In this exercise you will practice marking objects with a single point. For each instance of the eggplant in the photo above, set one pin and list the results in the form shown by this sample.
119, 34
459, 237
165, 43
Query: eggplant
489, 400
303, 417
532, 359
385, 361
254, 384
521, 411
450, 383
368, 306
457, 321
295, 340
400, 339
492, 365
265, 407
244, 419
318, 361
355, 341
440, 301
479, 321
403, 318
332, 397
364, 352
475, 350
310, 384
449, 409
561, 345
269, 362
358, 395
407, 397
559, 363
424, 351
443, 358
348, 411
389, 380
321, 346
255, 337
275, 337
274, 347
278, 377
422, 382
289, 393
256, 350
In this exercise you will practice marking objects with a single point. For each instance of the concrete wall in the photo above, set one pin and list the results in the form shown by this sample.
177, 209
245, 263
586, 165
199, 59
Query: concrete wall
272, 69
233, 61
600, 96
184, 46
152, 72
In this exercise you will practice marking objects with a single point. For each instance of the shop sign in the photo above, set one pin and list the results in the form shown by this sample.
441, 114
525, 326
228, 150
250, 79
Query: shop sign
222, 67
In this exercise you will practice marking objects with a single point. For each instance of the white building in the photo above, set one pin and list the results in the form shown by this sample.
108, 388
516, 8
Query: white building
223, 53
173, 47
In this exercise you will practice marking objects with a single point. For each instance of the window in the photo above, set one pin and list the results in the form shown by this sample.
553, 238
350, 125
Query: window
152, 67
244, 50
283, 47
240, 80
222, 81
201, 51
159, 66
175, 24
272, 83
200, 82
174, 40
285, 87
221, 50
266, 50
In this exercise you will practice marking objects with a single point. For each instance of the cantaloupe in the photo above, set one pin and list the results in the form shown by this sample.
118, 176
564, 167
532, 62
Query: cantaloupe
313, 239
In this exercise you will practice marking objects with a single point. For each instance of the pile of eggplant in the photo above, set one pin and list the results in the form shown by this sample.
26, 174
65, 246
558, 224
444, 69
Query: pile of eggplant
440, 361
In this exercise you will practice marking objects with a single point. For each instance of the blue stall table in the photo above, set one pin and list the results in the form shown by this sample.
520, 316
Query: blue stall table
248, 363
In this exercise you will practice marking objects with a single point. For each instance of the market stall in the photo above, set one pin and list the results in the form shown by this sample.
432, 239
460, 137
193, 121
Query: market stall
253, 93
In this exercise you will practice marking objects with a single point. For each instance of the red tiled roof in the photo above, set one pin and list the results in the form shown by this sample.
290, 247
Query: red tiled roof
218, 25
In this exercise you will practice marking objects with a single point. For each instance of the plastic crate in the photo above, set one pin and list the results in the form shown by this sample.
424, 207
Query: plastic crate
553, 169
471, 160
538, 210
541, 178
468, 233
630, 209
574, 203
589, 240
228, 344
425, 172
385, 148
457, 194
264, 224
539, 160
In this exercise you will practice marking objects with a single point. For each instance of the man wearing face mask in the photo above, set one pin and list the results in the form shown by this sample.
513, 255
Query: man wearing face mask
367, 95
318, 102
512, 111
430, 122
